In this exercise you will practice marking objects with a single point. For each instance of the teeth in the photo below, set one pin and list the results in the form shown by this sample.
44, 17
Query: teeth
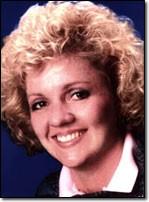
69, 137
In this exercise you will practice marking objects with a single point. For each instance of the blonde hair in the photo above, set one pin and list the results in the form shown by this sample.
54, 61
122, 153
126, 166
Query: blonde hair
82, 28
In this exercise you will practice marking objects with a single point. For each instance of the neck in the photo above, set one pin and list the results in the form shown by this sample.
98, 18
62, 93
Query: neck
97, 173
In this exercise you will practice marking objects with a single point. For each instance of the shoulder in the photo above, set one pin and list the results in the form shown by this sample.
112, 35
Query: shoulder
139, 156
49, 187
139, 151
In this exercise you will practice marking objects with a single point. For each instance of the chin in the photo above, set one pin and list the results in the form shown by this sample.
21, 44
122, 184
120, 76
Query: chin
73, 162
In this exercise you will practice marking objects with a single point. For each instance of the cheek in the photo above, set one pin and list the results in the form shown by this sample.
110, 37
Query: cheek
39, 125
98, 109
105, 110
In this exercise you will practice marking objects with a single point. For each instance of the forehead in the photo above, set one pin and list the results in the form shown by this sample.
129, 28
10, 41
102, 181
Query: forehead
63, 70
59, 64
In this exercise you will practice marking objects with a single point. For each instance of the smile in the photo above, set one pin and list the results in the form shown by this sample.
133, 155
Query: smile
69, 137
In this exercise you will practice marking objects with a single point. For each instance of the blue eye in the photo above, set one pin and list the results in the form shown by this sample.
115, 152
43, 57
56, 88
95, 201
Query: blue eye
38, 105
80, 94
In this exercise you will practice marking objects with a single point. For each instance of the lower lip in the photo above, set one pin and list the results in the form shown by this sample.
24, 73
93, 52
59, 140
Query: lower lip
71, 142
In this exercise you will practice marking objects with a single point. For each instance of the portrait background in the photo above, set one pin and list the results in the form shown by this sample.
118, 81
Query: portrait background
21, 174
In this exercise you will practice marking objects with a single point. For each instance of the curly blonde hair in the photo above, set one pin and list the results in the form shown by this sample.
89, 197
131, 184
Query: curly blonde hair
81, 28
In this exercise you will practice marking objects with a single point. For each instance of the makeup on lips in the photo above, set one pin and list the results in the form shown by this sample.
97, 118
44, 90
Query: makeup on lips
69, 138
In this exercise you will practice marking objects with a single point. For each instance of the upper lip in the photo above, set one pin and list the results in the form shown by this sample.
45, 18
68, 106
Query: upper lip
67, 132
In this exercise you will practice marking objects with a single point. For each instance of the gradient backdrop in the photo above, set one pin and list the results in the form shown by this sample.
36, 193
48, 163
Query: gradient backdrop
20, 174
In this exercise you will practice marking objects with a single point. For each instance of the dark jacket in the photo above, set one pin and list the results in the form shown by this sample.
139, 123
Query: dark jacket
49, 188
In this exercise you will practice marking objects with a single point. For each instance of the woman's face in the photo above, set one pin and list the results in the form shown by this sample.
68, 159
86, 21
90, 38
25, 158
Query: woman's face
72, 110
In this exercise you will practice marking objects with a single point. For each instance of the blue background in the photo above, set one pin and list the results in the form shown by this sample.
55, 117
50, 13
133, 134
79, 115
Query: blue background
21, 174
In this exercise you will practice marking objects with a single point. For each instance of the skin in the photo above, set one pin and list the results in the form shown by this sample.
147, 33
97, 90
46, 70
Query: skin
69, 96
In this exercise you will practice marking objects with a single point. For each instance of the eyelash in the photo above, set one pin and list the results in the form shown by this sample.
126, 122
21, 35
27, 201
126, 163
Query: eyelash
38, 105
80, 94
75, 95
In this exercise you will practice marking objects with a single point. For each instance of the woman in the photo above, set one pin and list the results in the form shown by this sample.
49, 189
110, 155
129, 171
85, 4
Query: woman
75, 71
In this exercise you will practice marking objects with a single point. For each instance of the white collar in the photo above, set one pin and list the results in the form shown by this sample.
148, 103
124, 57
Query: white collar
122, 180
126, 173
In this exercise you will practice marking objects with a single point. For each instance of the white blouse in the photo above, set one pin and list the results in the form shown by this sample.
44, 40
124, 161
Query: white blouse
122, 180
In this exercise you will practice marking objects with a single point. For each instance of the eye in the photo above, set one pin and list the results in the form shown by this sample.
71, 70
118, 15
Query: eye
38, 105
80, 94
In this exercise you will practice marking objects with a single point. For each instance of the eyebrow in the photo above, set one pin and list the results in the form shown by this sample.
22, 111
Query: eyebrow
66, 86
75, 83
34, 94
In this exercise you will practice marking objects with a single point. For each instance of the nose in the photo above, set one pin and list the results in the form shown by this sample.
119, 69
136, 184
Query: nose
60, 116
